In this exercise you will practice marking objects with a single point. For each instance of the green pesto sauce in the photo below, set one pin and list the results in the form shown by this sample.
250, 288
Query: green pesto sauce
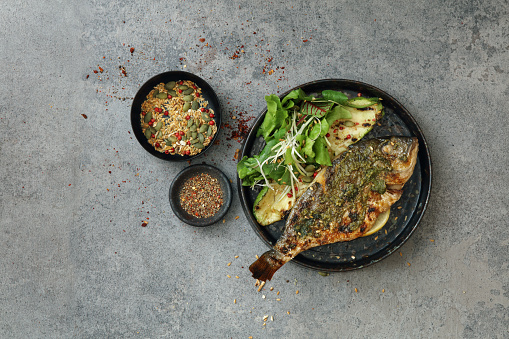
358, 172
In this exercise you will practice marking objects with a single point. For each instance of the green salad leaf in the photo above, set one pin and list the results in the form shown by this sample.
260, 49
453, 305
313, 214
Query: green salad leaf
274, 118
338, 112
337, 97
322, 154
294, 130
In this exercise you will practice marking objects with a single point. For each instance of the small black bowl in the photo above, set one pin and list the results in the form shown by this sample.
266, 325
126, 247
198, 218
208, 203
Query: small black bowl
186, 174
207, 93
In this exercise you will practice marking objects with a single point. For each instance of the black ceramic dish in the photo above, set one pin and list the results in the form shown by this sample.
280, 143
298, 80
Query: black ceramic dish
186, 174
207, 93
405, 214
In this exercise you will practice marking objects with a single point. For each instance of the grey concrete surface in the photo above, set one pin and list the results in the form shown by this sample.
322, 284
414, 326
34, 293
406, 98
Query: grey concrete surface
75, 261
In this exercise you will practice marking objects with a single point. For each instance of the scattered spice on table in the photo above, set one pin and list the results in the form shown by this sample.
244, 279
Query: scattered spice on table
201, 196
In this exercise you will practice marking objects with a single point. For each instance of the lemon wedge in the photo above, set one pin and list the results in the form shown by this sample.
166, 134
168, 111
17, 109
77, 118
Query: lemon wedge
379, 223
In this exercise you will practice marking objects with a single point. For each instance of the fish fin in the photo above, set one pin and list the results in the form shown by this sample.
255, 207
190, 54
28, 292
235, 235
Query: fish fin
265, 267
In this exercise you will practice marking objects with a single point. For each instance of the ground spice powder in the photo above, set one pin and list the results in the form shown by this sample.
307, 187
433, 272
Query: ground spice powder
201, 196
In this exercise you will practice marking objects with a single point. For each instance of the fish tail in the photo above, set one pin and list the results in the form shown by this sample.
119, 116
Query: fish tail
265, 267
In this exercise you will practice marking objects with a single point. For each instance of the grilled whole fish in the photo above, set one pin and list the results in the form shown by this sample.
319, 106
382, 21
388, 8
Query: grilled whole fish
345, 199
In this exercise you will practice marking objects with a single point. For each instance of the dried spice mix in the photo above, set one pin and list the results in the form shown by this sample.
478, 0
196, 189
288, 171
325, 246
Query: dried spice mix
201, 196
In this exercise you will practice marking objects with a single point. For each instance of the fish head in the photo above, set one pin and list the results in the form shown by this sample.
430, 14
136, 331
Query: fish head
402, 153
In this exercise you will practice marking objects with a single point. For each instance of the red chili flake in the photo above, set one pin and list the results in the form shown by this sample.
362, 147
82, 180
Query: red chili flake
169, 96
95, 71
211, 115
166, 152
152, 120
143, 113
143, 224
327, 135
202, 109
356, 123
150, 123
188, 152
348, 136
132, 50
290, 195
157, 144
305, 40
101, 69
84, 116
88, 75
211, 122
180, 91
172, 150
166, 113
336, 130
181, 132
158, 110
189, 142
188, 117
315, 174
179, 137
341, 128
240, 131
194, 87
122, 70
202, 39
153, 136
197, 94
181, 82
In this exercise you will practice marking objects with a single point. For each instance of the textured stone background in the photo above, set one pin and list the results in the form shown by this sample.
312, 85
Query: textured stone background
75, 261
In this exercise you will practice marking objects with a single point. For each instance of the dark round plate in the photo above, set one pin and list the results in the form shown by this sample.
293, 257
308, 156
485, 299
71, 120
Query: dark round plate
405, 214
207, 93
186, 174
